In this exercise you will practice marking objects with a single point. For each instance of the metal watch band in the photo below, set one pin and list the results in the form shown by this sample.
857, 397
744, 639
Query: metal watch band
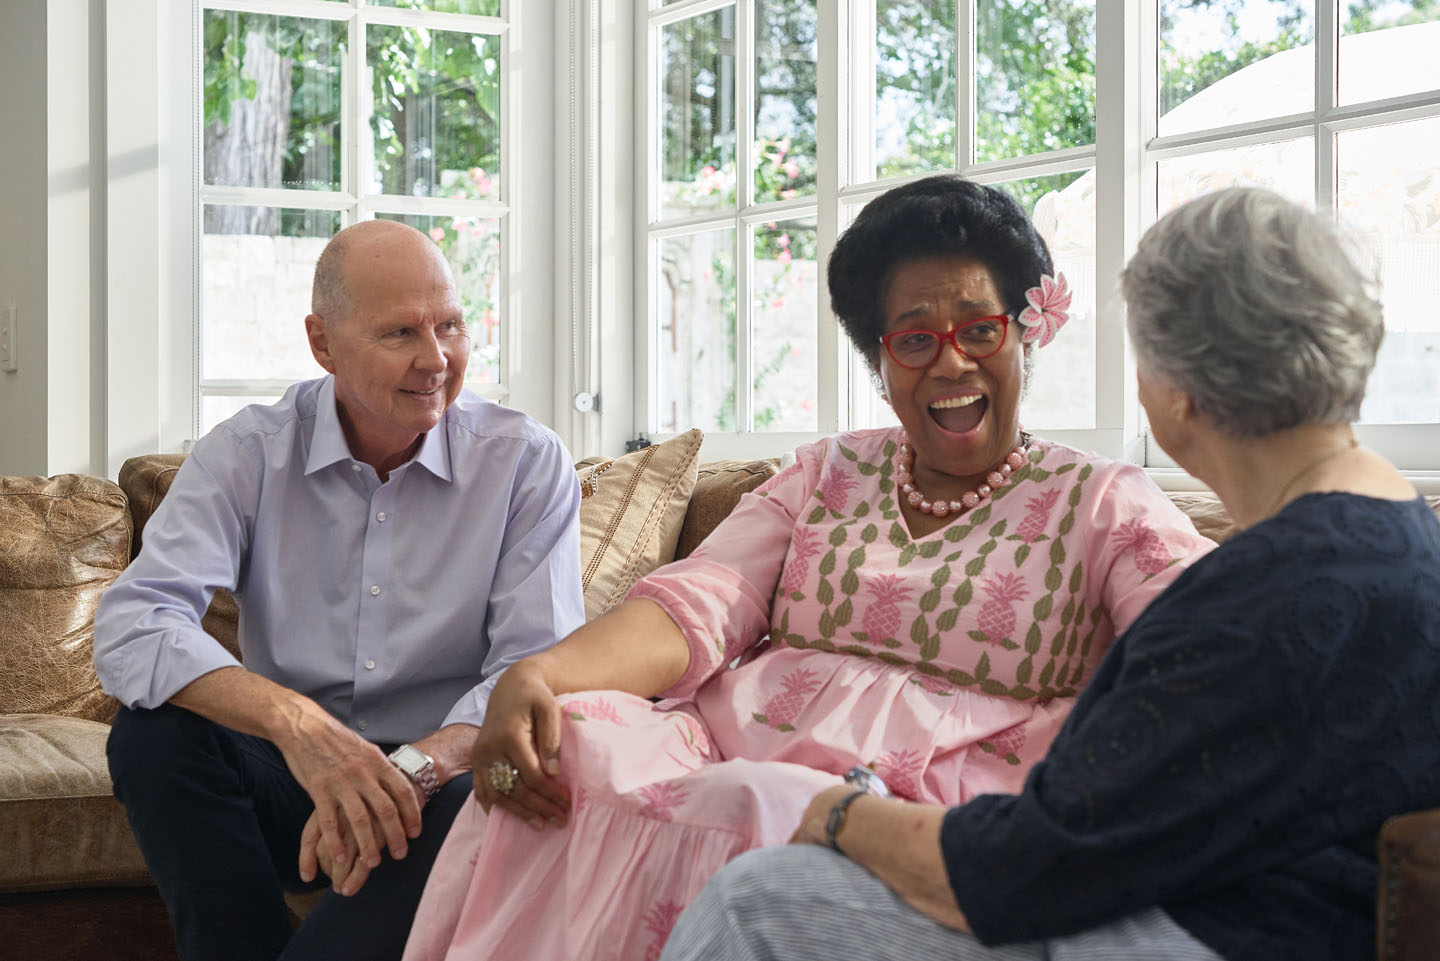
424, 776
836, 820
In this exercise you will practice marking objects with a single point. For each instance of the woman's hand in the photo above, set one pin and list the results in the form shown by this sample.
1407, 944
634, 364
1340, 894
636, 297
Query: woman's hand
522, 728
898, 841
811, 829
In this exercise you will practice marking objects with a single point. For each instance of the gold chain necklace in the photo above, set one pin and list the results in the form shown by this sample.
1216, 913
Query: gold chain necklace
1280, 500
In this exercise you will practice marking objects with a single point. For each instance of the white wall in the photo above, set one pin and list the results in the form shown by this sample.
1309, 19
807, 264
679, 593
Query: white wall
23, 235
51, 419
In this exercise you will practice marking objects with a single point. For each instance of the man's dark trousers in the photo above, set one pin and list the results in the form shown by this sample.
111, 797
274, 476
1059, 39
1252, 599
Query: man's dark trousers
218, 816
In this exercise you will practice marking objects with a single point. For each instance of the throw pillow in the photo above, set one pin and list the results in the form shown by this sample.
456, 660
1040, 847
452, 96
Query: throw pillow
631, 512
65, 540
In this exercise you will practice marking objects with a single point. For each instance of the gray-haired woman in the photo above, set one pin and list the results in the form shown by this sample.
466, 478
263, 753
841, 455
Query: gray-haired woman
1218, 789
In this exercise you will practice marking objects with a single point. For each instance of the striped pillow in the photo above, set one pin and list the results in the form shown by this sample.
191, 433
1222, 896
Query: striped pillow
631, 512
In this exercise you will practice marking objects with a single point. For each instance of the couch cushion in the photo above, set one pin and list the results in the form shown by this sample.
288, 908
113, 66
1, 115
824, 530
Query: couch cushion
60, 826
630, 516
145, 481
719, 485
66, 539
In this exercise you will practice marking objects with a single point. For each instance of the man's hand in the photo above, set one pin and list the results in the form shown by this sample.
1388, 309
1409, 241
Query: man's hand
522, 728
363, 804
448, 747
349, 874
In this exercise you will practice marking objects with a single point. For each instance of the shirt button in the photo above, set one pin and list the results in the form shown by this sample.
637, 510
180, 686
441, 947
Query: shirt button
374, 590
380, 517
355, 468
369, 665
362, 725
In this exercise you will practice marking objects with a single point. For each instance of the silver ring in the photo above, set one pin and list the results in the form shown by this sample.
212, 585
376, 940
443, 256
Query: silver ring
503, 776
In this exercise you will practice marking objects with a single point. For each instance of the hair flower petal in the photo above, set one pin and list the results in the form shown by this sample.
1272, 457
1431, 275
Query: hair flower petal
1047, 310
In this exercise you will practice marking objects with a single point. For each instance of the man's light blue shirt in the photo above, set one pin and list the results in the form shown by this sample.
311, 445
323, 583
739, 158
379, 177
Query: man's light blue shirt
395, 605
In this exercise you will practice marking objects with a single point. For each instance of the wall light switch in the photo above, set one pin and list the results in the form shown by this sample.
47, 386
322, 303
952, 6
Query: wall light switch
9, 352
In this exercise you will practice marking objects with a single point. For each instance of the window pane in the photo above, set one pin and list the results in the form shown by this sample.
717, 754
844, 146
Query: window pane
1377, 40
215, 408
1389, 199
472, 246
783, 356
1034, 77
914, 86
697, 149
696, 337
257, 265
1221, 65
1287, 168
1061, 393
481, 8
436, 112
272, 101
785, 99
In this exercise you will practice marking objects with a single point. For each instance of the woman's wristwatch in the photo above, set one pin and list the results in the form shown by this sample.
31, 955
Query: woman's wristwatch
865, 782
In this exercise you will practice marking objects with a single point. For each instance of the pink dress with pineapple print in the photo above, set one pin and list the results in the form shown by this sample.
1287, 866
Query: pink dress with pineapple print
947, 663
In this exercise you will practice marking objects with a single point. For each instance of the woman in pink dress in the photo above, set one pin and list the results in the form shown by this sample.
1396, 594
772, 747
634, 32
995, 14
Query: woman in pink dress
924, 602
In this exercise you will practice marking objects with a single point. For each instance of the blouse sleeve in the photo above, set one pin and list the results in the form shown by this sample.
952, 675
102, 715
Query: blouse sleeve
1136, 541
721, 595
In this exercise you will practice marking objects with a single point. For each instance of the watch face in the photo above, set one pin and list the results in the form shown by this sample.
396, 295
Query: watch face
867, 781
410, 759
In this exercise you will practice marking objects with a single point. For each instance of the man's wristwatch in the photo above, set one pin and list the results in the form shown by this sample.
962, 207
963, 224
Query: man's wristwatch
418, 766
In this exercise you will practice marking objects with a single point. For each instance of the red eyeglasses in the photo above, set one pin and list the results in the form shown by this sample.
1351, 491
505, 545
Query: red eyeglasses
917, 349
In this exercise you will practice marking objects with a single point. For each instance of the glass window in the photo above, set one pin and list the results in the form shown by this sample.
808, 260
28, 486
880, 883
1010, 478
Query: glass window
286, 167
1389, 201
272, 101
1377, 42
257, 264
1061, 391
783, 308
436, 116
915, 87
1034, 77
697, 337
785, 100
1230, 63
697, 67
743, 338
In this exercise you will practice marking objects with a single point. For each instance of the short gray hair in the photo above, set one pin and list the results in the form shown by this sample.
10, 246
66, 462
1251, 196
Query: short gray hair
329, 293
1249, 304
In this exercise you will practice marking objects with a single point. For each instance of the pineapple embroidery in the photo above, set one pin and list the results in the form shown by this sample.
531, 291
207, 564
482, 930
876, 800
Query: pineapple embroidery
805, 545
932, 685
1151, 554
1039, 508
901, 771
782, 709
882, 617
658, 921
1006, 745
596, 710
661, 800
835, 488
997, 615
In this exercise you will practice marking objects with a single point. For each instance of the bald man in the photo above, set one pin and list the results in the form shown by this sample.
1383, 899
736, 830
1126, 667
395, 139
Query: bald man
395, 542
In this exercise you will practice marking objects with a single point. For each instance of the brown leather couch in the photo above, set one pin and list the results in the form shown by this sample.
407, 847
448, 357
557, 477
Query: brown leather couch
72, 883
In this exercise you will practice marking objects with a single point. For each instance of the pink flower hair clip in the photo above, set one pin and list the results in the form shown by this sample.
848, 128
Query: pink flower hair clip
1048, 310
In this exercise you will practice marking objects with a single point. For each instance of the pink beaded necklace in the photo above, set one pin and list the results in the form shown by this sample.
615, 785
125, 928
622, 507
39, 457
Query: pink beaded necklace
905, 478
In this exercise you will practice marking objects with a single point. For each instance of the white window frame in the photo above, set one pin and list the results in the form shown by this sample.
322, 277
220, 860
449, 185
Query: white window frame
527, 257
1125, 158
